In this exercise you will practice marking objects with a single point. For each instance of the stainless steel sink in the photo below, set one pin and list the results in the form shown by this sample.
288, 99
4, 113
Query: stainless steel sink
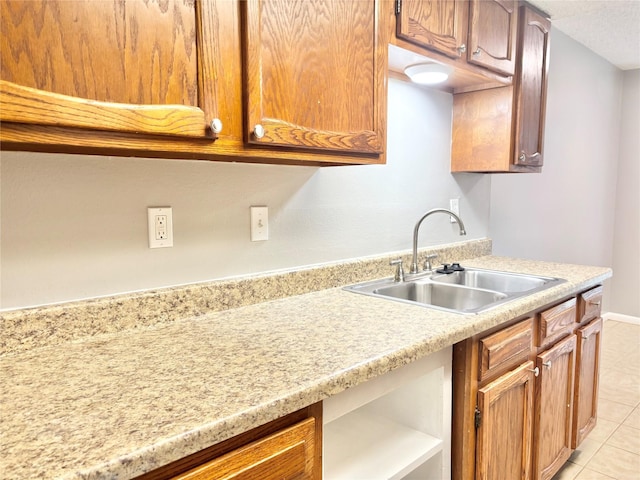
466, 292
504, 282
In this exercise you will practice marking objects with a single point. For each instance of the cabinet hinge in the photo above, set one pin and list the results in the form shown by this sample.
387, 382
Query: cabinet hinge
398, 6
478, 417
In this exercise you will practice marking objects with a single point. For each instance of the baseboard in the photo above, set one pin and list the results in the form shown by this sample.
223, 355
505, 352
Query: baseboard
619, 317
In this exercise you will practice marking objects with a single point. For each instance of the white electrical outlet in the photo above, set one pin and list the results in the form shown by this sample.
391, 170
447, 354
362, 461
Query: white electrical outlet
454, 206
160, 220
259, 224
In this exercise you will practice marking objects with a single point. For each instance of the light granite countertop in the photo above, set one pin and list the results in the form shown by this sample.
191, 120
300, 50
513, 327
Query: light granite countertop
116, 405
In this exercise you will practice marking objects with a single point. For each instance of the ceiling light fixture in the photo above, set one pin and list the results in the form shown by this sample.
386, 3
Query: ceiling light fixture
428, 73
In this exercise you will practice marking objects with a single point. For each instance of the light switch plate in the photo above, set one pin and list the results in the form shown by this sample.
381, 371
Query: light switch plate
259, 223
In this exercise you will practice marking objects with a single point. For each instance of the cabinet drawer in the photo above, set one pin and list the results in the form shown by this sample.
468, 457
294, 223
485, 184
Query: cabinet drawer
590, 304
556, 321
505, 348
287, 454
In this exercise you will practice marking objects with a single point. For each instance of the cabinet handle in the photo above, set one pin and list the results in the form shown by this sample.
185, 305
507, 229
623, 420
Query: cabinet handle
462, 48
536, 371
597, 304
216, 125
258, 131
523, 157
477, 52
547, 364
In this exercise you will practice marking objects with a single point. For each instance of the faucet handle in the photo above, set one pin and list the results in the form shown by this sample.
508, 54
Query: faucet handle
427, 261
399, 276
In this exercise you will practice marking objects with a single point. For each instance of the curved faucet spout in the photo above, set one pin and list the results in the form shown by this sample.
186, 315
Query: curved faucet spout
414, 258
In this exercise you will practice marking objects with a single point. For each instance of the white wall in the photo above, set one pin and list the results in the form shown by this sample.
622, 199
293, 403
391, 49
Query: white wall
75, 226
567, 212
625, 286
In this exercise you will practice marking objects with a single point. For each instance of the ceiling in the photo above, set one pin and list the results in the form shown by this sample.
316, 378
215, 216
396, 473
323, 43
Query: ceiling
611, 28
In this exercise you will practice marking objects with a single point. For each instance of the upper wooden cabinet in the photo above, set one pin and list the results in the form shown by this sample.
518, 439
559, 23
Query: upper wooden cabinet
116, 66
476, 37
436, 25
187, 79
314, 75
493, 26
502, 129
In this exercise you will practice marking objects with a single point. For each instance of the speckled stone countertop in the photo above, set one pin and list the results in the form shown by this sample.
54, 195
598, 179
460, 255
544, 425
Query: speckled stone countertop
119, 404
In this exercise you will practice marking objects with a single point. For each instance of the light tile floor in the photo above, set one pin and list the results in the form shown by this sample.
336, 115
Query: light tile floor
612, 449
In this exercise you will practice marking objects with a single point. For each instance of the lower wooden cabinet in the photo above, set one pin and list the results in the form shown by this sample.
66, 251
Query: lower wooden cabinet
504, 422
289, 448
553, 408
520, 410
586, 384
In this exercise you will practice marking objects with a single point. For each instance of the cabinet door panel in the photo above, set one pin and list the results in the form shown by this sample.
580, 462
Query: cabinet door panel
314, 74
554, 408
437, 25
503, 438
286, 455
531, 88
586, 387
121, 66
492, 35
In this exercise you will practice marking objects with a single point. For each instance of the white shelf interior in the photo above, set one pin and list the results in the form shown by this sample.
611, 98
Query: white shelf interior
392, 425
361, 446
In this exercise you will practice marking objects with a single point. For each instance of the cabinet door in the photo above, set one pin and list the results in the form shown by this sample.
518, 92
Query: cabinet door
505, 411
531, 88
315, 75
127, 66
492, 35
286, 455
554, 408
586, 387
436, 24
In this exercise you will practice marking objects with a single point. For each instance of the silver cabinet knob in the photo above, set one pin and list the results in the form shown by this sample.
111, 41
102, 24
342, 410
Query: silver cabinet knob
477, 52
547, 364
258, 131
462, 48
522, 157
216, 125
536, 371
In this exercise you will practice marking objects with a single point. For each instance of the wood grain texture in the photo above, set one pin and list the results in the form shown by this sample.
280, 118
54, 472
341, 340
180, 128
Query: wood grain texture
505, 349
505, 433
312, 74
481, 136
294, 441
436, 25
121, 51
556, 321
492, 34
285, 455
32, 106
585, 412
590, 304
554, 408
531, 87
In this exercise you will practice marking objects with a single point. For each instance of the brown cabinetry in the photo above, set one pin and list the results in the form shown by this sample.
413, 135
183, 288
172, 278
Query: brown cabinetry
492, 34
288, 448
525, 394
502, 129
314, 75
554, 407
504, 426
116, 66
477, 37
589, 336
263, 81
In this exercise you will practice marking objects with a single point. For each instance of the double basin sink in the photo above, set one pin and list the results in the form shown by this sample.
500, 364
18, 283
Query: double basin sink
469, 291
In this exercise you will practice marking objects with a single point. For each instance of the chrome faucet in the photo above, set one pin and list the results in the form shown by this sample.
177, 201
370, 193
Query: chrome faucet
414, 258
